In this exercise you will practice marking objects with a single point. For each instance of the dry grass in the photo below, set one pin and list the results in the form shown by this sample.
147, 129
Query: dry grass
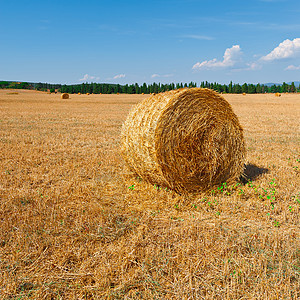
74, 226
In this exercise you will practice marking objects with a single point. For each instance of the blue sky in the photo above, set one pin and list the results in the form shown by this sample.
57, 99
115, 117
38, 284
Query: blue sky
62, 41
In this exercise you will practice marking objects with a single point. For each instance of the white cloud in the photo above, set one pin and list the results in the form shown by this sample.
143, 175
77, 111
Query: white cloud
253, 66
286, 49
231, 57
292, 67
119, 76
154, 75
165, 76
88, 77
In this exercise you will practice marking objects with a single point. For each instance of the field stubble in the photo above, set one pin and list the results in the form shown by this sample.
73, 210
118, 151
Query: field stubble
74, 224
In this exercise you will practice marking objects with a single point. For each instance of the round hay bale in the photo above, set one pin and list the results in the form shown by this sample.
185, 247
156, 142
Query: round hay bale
65, 96
277, 94
244, 94
187, 140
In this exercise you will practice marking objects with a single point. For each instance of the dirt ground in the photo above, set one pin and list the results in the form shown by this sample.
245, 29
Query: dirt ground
75, 225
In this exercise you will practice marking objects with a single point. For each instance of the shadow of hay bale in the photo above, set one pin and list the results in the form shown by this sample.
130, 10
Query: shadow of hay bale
252, 172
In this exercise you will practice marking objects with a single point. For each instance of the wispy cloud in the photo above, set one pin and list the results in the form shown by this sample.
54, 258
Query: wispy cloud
119, 76
292, 68
245, 24
88, 77
293, 27
286, 49
154, 75
274, 26
253, 66
198, 37
164, 76
231, 58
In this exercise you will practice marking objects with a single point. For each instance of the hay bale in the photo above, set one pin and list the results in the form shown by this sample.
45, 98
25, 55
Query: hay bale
244, 94
277, 94
65, 96
187, 140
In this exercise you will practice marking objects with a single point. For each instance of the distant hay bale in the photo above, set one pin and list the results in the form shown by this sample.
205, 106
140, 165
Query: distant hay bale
244, 94
79, 93
187, 140
277, 94
65, 96
87, 93
143, 93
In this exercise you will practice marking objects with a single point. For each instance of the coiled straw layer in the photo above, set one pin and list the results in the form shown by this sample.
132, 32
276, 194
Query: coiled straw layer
187, 140
64, 96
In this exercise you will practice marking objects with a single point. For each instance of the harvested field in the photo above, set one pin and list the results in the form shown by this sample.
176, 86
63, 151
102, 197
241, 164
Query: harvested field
74, 223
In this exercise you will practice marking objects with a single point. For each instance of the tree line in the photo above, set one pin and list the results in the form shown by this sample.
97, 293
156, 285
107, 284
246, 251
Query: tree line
103, 88
106, 88
251, 88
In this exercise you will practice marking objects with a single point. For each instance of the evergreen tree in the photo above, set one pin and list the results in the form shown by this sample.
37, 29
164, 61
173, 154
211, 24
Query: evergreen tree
292, 87
273, 89
230, 88
237, 89
285, 87
258, 88
144, 88
245, 88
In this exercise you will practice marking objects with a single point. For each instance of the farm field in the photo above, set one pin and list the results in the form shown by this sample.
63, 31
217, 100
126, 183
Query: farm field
75, 224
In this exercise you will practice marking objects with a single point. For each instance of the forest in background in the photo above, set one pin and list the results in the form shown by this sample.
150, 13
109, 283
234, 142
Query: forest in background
107, 88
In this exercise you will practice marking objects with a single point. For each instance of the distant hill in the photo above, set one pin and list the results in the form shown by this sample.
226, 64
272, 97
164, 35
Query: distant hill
297, 83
